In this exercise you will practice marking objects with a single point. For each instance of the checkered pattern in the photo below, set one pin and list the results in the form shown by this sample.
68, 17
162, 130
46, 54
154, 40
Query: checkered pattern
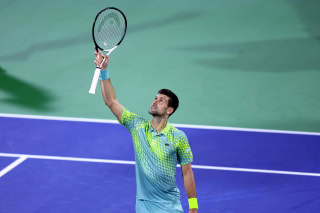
157, 155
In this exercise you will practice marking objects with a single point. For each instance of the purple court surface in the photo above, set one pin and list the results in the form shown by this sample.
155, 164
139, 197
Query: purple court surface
58, 166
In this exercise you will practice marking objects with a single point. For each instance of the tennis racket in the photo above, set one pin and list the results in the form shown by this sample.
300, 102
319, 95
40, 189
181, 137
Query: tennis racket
108, 31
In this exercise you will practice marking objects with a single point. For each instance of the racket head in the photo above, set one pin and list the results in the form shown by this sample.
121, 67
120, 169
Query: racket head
109, 28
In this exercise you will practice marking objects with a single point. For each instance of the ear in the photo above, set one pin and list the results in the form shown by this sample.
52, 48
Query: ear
170, 110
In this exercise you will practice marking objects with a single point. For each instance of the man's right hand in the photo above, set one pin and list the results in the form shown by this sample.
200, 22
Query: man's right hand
99, 58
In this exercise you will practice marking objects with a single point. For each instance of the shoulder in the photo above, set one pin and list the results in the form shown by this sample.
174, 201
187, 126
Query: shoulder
127, 116
178, 134
130, 119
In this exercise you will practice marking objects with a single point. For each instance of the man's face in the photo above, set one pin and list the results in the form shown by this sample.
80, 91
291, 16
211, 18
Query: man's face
159, 106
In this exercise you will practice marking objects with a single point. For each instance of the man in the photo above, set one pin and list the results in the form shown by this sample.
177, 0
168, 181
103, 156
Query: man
158, 148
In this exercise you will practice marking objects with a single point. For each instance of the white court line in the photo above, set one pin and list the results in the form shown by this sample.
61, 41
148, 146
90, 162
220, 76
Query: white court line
67, 158
132, 162
40, 117
55, 118
256, 170
12, 165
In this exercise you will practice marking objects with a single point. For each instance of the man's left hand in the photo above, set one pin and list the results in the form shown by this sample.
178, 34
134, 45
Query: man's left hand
193, 211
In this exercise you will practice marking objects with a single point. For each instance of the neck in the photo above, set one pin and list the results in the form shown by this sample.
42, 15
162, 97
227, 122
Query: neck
158, 123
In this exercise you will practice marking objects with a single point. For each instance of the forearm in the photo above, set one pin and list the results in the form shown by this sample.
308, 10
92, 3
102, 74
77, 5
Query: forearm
108, 93
109, 96
189, 184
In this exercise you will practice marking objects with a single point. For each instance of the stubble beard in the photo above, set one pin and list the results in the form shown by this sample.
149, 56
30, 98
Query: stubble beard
153, 112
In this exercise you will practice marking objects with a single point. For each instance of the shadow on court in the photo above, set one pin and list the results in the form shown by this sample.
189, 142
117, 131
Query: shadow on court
86, 38
278, 55
308, 11
24, 94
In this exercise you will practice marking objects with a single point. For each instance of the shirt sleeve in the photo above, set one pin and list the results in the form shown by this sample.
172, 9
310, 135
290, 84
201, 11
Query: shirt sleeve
130, 120
183, 150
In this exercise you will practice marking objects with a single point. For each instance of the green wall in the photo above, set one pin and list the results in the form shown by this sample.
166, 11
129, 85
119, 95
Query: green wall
253, 64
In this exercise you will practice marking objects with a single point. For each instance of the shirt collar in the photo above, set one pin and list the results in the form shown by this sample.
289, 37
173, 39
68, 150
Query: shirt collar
165, 130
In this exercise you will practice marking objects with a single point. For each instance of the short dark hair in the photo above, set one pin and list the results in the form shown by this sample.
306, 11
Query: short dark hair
173, 99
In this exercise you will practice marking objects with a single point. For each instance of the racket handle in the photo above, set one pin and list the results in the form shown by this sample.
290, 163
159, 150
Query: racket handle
95, 81
96, 78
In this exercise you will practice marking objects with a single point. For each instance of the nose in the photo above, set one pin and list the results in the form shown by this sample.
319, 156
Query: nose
154, 103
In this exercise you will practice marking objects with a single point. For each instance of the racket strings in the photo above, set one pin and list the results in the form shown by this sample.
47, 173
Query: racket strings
109, 29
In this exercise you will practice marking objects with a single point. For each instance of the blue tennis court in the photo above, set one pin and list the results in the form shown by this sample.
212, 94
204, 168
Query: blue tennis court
51, 164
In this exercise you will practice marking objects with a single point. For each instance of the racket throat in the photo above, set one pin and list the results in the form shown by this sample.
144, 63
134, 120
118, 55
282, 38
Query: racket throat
110, 50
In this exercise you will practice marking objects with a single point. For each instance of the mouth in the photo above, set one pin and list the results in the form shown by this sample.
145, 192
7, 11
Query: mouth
153, 108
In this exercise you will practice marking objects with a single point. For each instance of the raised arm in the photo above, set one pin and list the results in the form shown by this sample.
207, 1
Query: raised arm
108, 93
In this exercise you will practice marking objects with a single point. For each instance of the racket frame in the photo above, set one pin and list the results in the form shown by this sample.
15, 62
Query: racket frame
98, 69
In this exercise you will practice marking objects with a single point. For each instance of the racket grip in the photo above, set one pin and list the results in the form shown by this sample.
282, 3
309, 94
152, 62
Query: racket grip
95, 81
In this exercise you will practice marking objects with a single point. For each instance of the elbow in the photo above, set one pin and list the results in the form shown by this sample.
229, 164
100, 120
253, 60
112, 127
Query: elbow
109, 103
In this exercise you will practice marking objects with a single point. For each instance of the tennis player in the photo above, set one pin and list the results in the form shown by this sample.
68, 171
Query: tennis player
158, 147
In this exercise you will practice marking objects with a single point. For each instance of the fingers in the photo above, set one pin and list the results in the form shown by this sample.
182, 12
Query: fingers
105, 63
107, 57
97, 63
97, 51
99, 57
